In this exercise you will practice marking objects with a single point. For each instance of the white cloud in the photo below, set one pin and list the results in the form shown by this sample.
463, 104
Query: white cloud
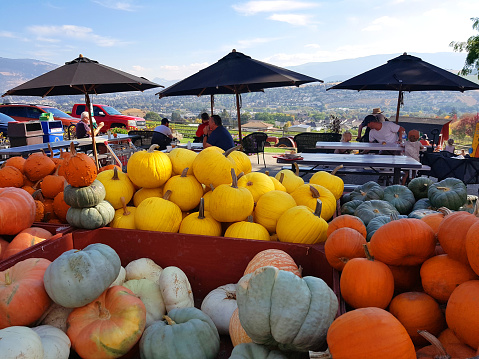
312, 46
254, 7
293, 19
118, 5
382, 22
8, 34
175, 72
137, 68
81, 33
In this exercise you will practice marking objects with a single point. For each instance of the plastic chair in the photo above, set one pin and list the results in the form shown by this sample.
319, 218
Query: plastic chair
144, 139
306, 142
161, 140
254, 143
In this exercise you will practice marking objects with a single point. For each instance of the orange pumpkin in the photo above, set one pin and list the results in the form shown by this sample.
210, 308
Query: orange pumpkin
52, 185
23, 298
11, 177
3, 247
39, 211
368, 333
17, 210
366, 283
441, 274
439, 350
37, 166
346, 220
275, 258
447, 336
79, 169
17, 162
342, 245
435, 219
117, 317
472, 247
108, 167
406, 278
237, 333
60, 207
416, 310
25, 239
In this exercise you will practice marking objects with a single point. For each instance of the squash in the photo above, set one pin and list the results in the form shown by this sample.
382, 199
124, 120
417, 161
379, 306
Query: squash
109, 326
37, 166
55, 342
77, 277
17, 210
158, 214
419, 186
347, 221
25, 239
236, 331
374, 208
182, 325
150, 294
52, 185
143, 268
144, 193
11, 177
366, 282
220, 304
124, 217
257, 183
117, 184
20, 285
400, 197
278, 308
247, 230
370, 333
368, 191
274, 258
175, 289
180, 159
20, 342
270, 207
255, 351
450, 193
79, 170
149, 169
350, 206
87, 196
343, 245
200, 223
307, 195
186, 191
213, 165
91, 217
301, 225
291, 180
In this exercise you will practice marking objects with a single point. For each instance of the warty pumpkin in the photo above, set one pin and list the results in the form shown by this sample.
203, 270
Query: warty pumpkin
274, 258
17, 162
330, 181
248, 230
186, 191
257, 183
212, 165
308, 194
124, 217
200, 223
11, 177
79, 170
56, 316
158, 214
109, 326
343, 245
291, 180
117, 184
37, 166
149, 169
25, 239
270, 207
52, 185
17, 210
23, 298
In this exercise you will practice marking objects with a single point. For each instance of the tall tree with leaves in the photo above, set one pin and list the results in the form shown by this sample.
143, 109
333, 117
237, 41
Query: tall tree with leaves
472, 48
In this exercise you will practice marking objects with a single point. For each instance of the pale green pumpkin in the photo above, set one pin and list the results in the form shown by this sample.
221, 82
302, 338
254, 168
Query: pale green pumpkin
81, 197
117, 184
185, 333
91, 217
279, 309
255, 351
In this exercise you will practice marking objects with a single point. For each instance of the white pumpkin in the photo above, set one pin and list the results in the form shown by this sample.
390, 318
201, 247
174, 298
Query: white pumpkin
143, 268
121, 277
175, 289
56, 316
220, 304
56, 344
20, 342
150, 294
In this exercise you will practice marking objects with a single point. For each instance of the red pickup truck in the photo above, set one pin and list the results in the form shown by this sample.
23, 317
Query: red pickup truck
111, 117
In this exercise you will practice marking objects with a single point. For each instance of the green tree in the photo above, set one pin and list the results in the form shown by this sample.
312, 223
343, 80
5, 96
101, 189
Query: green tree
152, 116
466, 126
175, 116
245, 117
472, 48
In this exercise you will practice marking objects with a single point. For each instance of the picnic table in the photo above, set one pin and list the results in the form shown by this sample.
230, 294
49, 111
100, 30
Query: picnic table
363, 146
24, 151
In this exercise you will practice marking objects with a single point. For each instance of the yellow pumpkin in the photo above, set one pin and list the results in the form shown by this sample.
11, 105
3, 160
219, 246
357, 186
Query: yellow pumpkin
291, 180
334, 183
144, 193
270, 207
278, 185
117, 184
201, 223
301, 224
158, 214
124, 217
242, 161
149, 169
231, 203
185, 189
180, 159
212, 165
307, 195
248, 230
206, 198
257, 183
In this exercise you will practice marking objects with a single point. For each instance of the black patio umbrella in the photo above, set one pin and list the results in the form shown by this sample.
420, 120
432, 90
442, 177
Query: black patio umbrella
236, 73
82, 76
407, 73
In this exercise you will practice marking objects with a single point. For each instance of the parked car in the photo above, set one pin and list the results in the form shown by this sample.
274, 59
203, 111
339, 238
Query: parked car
4, 120
111, 117
28, 112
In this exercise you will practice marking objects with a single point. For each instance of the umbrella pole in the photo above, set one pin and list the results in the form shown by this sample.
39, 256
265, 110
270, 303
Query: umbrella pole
399, 105
239, 117
87, 102
212, 103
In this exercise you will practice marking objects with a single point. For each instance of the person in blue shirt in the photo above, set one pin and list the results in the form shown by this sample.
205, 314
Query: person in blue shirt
217, 135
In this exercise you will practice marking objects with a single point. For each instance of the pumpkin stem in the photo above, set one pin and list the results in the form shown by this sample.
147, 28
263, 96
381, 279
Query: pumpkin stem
445, 189
444, 210
201, 210
125, 209
249, 219
394, 216
319, 207
241, 174
368, 255
230, 295
266, 173
73, 150
115, 174
236, 148
314, 191
235, 179
436, 343
281, 177
296, 169
50, 149
169, 320
212, 187
362, 193
8, 279
167, 195
35, 186
185, 172
320, 355
38, 194
337, 169
43, 151
152, 148
103, 312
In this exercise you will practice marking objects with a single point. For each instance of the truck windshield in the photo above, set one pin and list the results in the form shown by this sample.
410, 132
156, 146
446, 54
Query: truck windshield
56, 112
111, 111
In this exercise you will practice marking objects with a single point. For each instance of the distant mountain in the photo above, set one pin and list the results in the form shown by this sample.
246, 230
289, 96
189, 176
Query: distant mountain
14, 72
164, 82
341, 70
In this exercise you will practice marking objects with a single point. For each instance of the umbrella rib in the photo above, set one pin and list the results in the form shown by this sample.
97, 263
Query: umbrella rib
78, 88
201, 93
50, 90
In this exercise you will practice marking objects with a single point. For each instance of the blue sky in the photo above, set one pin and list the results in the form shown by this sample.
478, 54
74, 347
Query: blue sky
176, 38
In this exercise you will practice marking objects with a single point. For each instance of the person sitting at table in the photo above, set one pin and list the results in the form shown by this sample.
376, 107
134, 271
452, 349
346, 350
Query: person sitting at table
217, 135
385, 132
82, 128
200, 131
162, 135
424, 141
412, 147
450, 146
378, 114
345, 137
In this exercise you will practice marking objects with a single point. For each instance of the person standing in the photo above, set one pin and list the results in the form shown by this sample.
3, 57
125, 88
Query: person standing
412, 147
376, 114
217, 135
385, 132
83, 129
204, 122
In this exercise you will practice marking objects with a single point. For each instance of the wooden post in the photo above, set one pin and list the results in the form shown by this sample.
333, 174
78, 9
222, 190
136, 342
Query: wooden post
400, 96
239, 117
212, 103
87, 103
